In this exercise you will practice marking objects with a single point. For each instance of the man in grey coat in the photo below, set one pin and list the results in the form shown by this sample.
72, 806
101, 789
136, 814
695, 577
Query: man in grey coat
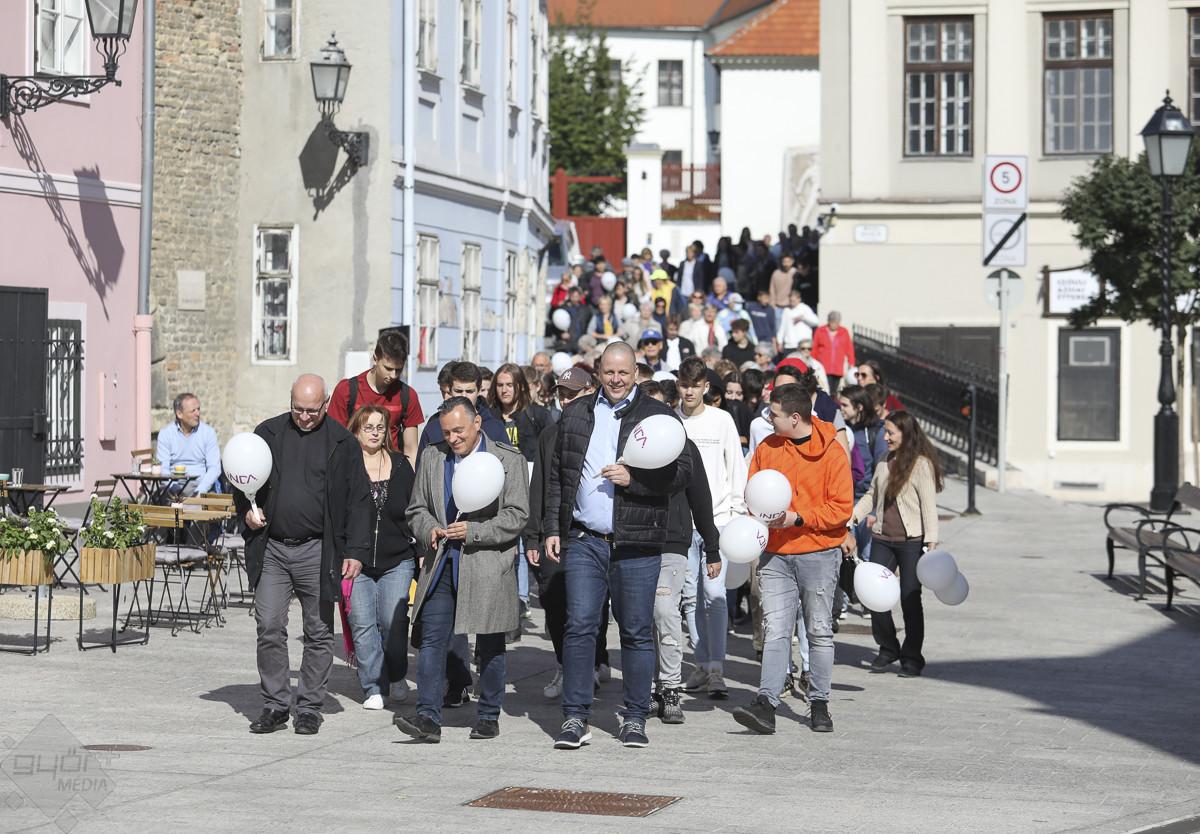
468, 582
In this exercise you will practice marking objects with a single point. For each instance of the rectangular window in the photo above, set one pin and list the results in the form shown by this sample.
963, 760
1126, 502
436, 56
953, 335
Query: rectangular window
614, 73
472, 14
428, 256
1194, 62
427, 35
670, 83
62, 38
1089, 384
472, 307
512, 46
514, 288
275, 293
1078, 85
64, 398
939, 63
536, 58
279, 30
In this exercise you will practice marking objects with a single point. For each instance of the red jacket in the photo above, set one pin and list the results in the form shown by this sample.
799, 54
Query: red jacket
833, 349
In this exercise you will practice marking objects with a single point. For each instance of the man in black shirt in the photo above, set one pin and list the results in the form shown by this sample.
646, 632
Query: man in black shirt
739, 350
312, 530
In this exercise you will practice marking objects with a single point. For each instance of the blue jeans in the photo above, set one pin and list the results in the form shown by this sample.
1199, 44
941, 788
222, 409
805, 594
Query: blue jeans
522, 574
437, 631
379, 623
712, 609
791, 586
691, 582
630, 576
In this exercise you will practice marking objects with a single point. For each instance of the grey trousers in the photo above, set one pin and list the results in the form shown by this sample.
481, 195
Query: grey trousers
287, 570
792, 585
668, 624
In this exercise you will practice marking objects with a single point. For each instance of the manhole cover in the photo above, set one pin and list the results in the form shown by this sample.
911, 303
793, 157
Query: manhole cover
574, 802
116, 748
853, 628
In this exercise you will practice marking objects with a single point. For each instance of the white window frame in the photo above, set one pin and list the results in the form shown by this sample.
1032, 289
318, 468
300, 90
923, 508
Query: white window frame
471, 42
427, 56
261, 275
535, 302
512, 46
939, 86
81, 54
1092, 63
428, 301
670, 89
514, 310
472, 301
269, 8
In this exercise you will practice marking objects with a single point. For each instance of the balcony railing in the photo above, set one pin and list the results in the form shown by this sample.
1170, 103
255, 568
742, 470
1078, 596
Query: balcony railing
691, 192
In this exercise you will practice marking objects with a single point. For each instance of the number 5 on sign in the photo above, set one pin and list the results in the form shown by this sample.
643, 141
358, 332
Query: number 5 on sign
1005, 187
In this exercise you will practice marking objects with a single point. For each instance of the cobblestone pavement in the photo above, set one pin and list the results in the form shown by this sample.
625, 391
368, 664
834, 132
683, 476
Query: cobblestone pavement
1053, 701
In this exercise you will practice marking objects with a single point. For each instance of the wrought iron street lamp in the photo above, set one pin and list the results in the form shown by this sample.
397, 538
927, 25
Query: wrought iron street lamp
111, 22
1168, 137
330, 76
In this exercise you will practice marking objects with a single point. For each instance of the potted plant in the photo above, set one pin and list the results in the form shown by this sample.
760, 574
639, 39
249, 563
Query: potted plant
28, 547
155, 466
113, 545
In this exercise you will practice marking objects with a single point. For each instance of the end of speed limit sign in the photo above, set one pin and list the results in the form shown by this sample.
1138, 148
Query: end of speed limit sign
1005, 187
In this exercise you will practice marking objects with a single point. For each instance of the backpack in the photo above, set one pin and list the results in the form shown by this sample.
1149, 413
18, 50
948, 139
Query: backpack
353, 400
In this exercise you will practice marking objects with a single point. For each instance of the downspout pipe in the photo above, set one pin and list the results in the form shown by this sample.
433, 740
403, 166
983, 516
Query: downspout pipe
143, 322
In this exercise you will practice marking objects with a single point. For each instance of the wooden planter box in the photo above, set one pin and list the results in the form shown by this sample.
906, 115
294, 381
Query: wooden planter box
25, 567
108, 566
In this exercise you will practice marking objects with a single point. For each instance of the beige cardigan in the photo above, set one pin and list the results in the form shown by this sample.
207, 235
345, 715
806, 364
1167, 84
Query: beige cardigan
917, 501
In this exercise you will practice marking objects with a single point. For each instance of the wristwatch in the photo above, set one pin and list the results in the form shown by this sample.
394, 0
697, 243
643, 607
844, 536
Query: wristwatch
799, 522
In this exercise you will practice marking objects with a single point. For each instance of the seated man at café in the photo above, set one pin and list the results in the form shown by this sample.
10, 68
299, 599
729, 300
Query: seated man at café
188, 446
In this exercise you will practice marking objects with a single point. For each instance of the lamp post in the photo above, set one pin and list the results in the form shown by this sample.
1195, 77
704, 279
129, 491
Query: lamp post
330, 76
1168, 137
111, 22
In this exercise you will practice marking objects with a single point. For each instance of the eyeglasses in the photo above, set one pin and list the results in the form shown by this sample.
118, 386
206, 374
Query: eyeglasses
307, 412
373, 429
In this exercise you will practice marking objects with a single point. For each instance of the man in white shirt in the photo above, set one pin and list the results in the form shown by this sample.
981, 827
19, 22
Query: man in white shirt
716, 436
798, 323
677, 348
687, 279
690, 327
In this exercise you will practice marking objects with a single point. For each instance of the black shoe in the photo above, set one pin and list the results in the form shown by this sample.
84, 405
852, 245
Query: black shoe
818, 717
485, 729
307, 724
656, 702
456, 697
910, 670
574, 734
670, 710
270, 721
881, 662
419, 727
758, 715
633, 733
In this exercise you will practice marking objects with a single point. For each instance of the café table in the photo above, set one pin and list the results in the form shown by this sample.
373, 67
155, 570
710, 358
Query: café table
22, 498
152, 489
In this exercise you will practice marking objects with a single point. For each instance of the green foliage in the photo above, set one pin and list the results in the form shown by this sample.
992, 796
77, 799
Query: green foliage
115, 526
40, 530
592, 119
1117, 212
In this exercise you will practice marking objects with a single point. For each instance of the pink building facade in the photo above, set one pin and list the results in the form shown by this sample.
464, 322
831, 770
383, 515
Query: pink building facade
70, 198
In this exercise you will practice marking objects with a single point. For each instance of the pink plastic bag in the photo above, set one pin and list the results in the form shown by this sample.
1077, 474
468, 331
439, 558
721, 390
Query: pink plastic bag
344, 610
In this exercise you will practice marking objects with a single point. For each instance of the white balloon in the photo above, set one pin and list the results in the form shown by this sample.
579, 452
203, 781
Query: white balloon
876, 587
956, 592
561, 319
247, 462
768, 494
559, 362
478, 481
608, 281
744, 539
654, 442
937, 570
663, 376
629, 312
738, 574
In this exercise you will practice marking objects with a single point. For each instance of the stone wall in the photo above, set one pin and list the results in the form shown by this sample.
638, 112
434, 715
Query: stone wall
198, 93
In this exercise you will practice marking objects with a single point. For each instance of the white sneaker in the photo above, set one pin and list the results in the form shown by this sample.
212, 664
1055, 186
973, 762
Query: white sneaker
553, 689
698, 679
604, 673
373, 702
399, 691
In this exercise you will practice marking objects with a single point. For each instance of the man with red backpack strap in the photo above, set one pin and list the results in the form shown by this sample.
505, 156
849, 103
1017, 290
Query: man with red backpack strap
381, 385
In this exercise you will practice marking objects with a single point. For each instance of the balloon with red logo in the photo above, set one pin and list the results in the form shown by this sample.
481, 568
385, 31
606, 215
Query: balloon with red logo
247, 461
744, 539
654, 442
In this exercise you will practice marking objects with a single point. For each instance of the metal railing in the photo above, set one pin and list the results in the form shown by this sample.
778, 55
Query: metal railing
64, 389
933, 389
691, 192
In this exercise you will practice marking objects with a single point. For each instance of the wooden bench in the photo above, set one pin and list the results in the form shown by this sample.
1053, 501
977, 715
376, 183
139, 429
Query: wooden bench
1147, 534
1182, 551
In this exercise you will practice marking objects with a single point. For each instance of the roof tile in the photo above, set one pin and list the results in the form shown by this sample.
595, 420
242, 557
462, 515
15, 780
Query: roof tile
786, 28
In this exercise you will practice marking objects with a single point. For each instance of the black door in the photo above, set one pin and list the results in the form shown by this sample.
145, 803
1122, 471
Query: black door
23, 381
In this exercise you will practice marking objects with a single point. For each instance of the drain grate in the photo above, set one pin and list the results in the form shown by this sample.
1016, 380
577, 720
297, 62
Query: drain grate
559, 801
853, 628
116, 748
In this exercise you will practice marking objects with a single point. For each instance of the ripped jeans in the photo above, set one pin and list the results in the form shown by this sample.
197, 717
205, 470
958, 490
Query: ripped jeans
668, 626
793, 585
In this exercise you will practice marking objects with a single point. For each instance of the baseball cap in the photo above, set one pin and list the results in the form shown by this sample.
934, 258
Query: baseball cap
575, 379
736, 298
659, 275
650, 334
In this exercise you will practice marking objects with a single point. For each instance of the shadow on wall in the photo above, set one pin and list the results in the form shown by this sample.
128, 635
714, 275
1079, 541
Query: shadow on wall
101, 264
318, 164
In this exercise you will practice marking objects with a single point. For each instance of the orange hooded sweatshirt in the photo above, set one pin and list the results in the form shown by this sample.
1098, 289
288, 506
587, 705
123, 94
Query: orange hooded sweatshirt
822, 488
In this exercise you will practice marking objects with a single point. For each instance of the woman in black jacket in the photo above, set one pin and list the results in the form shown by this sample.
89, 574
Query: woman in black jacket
512, 402
379, 601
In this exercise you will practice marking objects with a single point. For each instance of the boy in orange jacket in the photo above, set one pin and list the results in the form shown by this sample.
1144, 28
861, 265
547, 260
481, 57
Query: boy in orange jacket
803, 554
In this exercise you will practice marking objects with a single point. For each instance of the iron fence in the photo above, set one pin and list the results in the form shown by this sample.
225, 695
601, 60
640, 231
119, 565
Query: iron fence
691, 192
64, 389
933, 389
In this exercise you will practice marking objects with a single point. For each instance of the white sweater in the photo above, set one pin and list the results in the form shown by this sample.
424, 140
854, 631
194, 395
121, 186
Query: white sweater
715, 435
